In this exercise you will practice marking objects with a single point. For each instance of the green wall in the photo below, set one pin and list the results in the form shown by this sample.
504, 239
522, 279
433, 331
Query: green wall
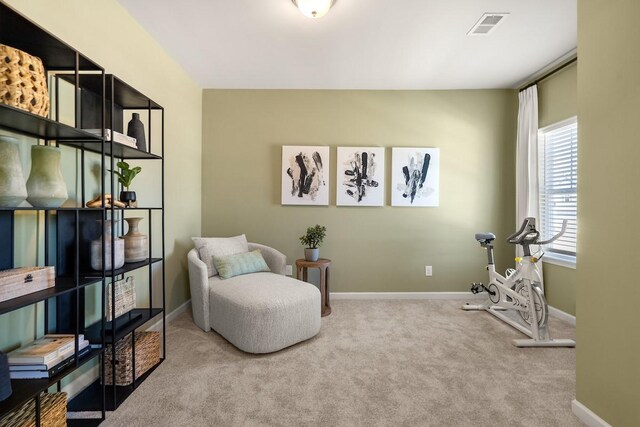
608, 372
135, 57
558, 100
383, 249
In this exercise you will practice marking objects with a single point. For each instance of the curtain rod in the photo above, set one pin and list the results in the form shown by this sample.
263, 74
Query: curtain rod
550, 73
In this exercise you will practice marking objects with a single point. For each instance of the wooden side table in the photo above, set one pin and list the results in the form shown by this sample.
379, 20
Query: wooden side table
323, 265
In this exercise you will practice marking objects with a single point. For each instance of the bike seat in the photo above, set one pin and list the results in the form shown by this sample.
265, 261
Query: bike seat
485, 237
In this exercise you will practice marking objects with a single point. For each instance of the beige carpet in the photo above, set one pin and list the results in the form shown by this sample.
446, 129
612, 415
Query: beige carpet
374, 363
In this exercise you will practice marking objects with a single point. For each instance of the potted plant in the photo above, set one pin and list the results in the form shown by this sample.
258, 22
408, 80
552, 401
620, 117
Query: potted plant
313, 239
125, 177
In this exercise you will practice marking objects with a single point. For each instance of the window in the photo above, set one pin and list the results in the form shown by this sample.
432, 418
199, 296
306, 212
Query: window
558, 179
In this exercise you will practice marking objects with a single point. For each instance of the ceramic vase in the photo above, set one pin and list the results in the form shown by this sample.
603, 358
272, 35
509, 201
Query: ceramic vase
96, 249
13, 189
46, 187
135, 130
312, 254
5, 380
136, 244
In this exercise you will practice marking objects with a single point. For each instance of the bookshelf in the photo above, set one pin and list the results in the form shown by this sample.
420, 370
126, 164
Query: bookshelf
77, 303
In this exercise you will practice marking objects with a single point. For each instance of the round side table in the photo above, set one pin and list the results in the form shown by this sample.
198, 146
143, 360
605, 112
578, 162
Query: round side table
323, 265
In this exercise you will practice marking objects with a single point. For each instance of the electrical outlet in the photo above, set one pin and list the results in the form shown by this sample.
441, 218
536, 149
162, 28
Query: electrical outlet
428, 270
289, 270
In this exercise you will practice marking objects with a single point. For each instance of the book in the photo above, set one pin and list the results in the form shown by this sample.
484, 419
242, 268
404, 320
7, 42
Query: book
114, 136
41, 351
49, 365
47, 350
47, 373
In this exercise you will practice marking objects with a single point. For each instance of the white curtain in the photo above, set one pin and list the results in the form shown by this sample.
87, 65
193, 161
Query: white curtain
527, 203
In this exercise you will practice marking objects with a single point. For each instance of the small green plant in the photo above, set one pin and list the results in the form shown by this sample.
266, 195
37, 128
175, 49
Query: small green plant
314, 236
126, 174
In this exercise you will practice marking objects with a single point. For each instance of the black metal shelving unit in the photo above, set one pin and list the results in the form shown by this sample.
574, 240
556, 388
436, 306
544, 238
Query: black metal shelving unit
68, 231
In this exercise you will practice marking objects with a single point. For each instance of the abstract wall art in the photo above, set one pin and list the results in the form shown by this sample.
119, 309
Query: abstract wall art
415, 177
360, 176
305, 175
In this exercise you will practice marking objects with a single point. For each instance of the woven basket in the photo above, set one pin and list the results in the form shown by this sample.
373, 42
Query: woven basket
23, 81
53, 412
125, 297
147, 356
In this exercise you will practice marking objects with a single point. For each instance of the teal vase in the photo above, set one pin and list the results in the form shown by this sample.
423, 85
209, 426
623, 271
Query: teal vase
13, 190
46, 186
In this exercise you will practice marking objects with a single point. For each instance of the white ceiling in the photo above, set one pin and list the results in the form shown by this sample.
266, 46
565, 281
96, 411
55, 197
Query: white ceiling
359, 44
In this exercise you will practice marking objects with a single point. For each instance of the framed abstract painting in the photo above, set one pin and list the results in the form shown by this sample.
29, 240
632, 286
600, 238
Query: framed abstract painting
360, 176
305, 175
415, 177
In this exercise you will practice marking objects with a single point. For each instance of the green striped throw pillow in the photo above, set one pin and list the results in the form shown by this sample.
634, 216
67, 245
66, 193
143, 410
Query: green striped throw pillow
229, 266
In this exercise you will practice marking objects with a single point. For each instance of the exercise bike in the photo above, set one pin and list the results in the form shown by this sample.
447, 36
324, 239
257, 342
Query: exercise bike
520, 290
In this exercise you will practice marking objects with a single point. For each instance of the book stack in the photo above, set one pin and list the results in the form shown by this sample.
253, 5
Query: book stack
114, 136
45, 357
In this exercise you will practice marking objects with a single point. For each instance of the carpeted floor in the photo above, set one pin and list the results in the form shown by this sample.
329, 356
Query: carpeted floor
374, 363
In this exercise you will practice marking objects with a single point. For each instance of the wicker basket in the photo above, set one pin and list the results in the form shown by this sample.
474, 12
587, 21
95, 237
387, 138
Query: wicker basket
23, 81
147, 356
53, 412
125, 297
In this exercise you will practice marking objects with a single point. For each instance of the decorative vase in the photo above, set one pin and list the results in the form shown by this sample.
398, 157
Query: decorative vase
5, 379
96, 249
46, 187
135, 129
128, 198
312, 254
136, 244
13, 189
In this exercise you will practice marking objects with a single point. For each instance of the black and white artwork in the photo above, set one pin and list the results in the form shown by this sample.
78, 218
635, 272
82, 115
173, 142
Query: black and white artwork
416, 177
360, 176
305, 175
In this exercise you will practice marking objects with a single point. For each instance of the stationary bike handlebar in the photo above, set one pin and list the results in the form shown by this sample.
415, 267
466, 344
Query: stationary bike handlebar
557, 236
528, 233
513, 238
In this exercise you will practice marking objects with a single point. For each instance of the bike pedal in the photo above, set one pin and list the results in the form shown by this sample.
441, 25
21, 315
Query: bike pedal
476, 288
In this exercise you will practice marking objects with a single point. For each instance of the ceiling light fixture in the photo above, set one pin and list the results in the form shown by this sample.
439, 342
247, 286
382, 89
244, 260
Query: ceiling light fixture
314, 8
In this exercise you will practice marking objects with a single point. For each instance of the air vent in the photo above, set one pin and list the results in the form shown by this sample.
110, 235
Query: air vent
487, 23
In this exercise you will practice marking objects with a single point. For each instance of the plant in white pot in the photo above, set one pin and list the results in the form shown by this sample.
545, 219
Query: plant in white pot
313, 239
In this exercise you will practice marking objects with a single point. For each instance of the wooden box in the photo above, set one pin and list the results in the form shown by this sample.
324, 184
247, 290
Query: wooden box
53, 412
147, 356
17, 282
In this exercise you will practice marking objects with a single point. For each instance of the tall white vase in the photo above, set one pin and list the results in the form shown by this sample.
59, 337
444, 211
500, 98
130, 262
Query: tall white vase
96, 249
13, 190
46, 186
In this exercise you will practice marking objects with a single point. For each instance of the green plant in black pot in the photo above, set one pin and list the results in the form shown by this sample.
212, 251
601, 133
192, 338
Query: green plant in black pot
125, 177
313, 239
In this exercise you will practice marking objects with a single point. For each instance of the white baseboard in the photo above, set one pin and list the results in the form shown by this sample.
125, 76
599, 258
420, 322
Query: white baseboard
587, 416
571, 319
406, 295
175, 313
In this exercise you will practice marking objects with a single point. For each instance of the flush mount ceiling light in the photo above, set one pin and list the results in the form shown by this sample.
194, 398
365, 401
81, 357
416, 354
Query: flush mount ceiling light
314, 8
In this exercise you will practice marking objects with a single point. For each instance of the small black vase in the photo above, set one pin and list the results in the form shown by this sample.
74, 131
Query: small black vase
5, 379
136, 130
128, 197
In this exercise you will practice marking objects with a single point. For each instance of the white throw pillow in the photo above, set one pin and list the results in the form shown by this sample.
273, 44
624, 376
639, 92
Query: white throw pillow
208, 247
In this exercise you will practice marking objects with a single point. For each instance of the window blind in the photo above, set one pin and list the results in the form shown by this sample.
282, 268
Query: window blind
558, 176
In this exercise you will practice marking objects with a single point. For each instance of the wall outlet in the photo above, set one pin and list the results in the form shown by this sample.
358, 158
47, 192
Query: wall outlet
428, 270
289, 270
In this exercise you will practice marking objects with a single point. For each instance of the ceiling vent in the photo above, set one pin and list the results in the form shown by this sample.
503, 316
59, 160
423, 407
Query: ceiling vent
487, 23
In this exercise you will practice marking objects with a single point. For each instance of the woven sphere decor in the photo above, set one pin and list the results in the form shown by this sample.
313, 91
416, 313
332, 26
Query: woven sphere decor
23, 82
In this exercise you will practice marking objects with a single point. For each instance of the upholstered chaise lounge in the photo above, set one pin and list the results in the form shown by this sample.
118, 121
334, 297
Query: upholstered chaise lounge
257, 312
